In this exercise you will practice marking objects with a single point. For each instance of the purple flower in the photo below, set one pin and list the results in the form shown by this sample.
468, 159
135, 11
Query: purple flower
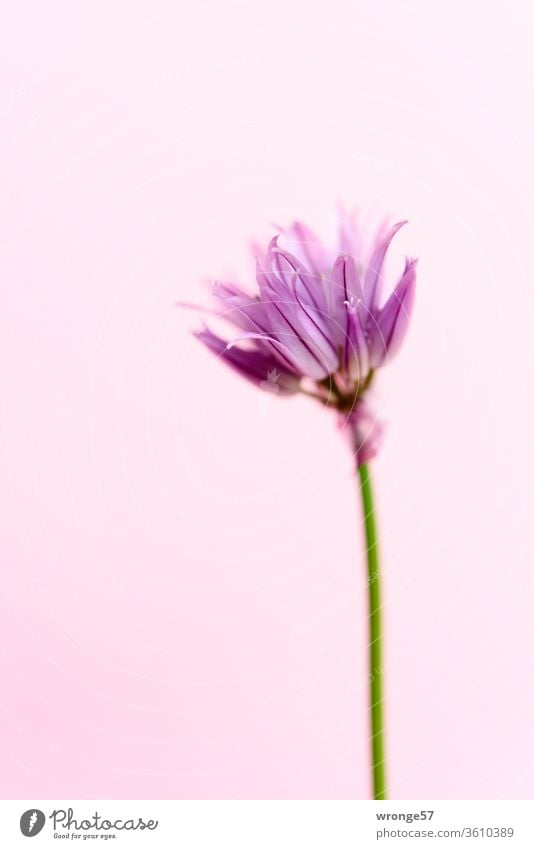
319, 323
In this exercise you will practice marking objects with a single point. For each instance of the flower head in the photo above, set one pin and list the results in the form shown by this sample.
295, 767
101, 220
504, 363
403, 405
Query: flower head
319, 323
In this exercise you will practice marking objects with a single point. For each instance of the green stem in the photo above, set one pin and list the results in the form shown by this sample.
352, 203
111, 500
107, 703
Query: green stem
376, 707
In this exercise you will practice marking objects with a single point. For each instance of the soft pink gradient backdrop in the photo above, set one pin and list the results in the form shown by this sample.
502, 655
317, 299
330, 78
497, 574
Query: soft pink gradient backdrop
182, 603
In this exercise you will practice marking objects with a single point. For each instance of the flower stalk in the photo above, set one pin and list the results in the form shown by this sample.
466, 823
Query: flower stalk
376, 673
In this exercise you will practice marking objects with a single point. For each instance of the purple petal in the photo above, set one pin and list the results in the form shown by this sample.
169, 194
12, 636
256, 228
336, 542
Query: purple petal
311, 296
261, 368
371, 286
240, 308
356, 354
252, 315
345, 288
347, 234
297, 357
312, 350
346, 278
287, 267
190, 305
307, 247
393, 319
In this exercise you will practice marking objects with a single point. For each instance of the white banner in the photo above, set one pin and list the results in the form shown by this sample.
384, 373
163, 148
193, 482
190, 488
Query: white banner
267, 824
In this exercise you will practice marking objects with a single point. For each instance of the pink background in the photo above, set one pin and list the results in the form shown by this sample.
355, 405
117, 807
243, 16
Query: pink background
182, 606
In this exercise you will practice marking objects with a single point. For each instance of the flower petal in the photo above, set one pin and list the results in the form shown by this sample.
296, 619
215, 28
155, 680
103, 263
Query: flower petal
240, 308
393, 319
356, 354
260, 367
294, 326
286, 267
347, 232
306, 246
372, 280
345, 288
289, 350
346, 278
